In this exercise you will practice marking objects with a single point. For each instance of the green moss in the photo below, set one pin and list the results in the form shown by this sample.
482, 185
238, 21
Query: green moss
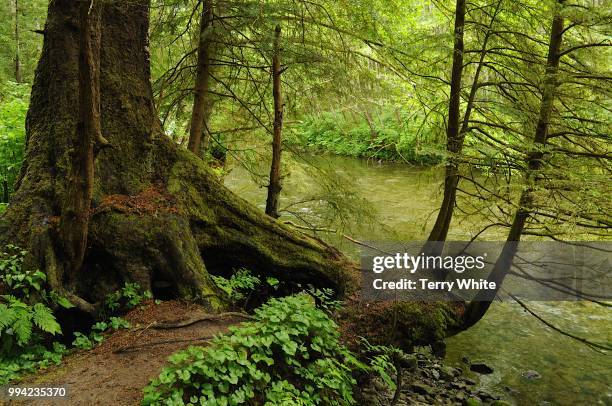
424, 322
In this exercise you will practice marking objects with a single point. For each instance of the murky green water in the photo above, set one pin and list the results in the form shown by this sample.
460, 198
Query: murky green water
507, 339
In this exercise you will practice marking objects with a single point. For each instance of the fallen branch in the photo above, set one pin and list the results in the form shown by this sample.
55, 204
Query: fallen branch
207, 317
139, 347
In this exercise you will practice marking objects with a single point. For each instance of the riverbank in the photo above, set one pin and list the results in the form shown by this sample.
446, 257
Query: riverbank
427, 380
390, 138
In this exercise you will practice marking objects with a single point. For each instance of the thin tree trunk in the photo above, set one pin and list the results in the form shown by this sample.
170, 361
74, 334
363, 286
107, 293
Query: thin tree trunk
274, 188
18, 78
75, 211
5, 191
440, 228
202, 83
479, 306
451, 181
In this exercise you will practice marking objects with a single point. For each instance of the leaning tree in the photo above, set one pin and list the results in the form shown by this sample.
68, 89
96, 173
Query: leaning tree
158, 216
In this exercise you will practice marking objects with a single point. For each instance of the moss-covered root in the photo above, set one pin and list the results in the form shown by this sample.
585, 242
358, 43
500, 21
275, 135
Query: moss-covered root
149, 249
401, 324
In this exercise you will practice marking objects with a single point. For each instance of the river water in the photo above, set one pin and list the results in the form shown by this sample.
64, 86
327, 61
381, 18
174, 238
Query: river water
508, 339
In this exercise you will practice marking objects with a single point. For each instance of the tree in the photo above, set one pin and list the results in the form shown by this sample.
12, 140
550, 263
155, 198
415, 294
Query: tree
202, 102
274, 187
540, 155
74, 220
17, 56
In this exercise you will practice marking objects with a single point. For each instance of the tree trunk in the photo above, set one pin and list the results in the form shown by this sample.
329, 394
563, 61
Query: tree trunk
201, 98
75, 208
451, 181
453, 144
479, 306
18, 78
275, 186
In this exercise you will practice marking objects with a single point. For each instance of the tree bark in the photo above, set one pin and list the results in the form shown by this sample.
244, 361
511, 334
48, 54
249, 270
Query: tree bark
453, 144
18, 78
275, 186
201, 100
451, 180
74, 219
479, 306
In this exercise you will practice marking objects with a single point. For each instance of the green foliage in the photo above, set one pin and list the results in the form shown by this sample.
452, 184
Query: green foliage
20, 282
126, 298
325, 300
23, 324
13, 108
18, 320
290, 354
35, 358
238, 286
382, 360
388, 139
96, 336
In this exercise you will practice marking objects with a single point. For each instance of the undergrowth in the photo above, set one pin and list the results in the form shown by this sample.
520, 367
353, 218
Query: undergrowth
28, 325
388, 139
289, 354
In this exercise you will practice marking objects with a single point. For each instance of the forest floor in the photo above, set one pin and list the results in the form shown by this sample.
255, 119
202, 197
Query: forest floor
115, 372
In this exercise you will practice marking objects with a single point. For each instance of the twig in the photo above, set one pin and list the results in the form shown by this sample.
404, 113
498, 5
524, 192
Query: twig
595, 346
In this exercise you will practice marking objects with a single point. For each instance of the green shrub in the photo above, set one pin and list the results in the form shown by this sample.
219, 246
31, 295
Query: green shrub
238, 286
35, 358
126, 298
96, 336
290, 354
21, 323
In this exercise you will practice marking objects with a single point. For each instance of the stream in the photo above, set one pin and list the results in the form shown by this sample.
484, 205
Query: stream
508, 339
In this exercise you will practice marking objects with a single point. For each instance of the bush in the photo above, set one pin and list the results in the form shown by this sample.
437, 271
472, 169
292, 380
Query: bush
290, 354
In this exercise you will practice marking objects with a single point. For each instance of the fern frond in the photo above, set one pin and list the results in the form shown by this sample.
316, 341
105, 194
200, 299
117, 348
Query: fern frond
43, 318
22, 327
7, 316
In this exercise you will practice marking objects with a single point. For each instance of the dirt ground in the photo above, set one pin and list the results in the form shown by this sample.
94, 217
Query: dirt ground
115, 372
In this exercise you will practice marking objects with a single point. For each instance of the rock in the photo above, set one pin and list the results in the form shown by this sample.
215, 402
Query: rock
472, 402
531, 375
481, 368
469, 381
447, 373
379, 385
421, 388
409, 362
458, 385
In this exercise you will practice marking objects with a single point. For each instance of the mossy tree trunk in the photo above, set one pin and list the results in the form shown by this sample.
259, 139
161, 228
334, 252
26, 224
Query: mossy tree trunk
275, 186
157, 213
202, 102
